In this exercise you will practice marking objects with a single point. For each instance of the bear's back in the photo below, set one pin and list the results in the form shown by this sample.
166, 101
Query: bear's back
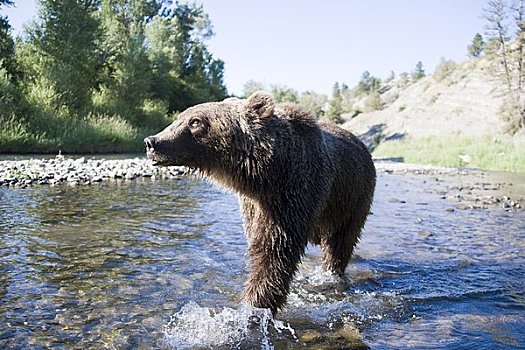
295, 114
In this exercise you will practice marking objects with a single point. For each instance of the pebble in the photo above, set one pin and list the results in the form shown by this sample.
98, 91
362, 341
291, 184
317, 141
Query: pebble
469, 196
80, 171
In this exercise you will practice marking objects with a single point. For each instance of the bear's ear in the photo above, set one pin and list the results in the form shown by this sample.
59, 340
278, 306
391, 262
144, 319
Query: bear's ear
260, 104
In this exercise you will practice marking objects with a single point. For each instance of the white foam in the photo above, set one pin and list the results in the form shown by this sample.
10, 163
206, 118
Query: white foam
317, 276
196, 326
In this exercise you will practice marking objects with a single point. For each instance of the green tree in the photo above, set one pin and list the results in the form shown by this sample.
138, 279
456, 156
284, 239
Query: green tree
252, 86
335, 105
10, 98
507, 54
368, 83
205, 75
313, 102
104, 71
475, 49
419, 72
373, 102
284, 94
125, 74
61, 52
184, 71
7, 45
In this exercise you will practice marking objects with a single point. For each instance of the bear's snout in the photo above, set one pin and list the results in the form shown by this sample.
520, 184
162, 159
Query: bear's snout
150, 143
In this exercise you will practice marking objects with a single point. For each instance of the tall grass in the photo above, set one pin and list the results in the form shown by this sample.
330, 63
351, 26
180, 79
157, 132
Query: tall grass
15, 135
34, 123
92, 134
484, 153
100, 133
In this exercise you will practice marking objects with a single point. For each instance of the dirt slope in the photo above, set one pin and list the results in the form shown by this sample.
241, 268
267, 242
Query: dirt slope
464, 102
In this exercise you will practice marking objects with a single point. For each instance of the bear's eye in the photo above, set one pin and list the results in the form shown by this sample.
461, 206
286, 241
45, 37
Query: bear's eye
194, 123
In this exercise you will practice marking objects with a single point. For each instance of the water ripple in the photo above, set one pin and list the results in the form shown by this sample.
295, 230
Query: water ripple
106, 266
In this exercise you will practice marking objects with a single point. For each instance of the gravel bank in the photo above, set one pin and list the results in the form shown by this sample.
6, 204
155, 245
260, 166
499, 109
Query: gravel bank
81, 171
465, 188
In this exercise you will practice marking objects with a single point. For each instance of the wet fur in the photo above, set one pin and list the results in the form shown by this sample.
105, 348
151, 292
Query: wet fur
298, 181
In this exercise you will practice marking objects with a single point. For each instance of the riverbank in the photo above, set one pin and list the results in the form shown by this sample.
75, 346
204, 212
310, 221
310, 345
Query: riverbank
463, 188
489, 153
80, 171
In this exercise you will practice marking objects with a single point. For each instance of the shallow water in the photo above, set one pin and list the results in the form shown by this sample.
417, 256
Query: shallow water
161, 264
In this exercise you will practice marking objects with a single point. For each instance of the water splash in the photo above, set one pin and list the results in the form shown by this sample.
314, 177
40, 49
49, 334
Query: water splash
317, 276
195, 326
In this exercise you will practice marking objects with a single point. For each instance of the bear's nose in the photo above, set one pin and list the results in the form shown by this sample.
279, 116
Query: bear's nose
150, 142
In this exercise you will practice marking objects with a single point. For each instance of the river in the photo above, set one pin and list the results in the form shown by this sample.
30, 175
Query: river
148, 264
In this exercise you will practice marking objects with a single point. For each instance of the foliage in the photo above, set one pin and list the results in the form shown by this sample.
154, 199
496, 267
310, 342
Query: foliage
10, 98
125, 69
335, 107
368, 83
475, 49
177, 48
106, 134
252, 86
507, 53
444, 69
284, 94
7, 45
404, 80
61, 51
100, 75
419, 72
313, 102
373, 102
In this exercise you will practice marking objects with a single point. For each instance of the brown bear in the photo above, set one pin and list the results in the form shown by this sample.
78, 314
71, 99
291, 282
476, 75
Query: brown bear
298, 181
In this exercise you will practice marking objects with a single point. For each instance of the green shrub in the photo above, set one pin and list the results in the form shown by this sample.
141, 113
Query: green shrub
9, 94
356, 112
16, 137
373, 102
100, 133
444, 69
155, 114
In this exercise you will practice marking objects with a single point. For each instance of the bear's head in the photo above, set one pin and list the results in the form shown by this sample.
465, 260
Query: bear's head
211, 135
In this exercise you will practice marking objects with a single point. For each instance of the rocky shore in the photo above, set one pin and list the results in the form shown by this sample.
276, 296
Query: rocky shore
463, 188
81, 171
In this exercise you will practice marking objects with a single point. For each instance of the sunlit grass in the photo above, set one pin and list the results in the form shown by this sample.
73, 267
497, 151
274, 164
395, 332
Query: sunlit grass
93, 134
485, 153
16, 135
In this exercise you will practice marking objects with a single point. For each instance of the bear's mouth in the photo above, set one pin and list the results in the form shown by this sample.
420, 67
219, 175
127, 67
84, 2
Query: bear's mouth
155, 159
158, 159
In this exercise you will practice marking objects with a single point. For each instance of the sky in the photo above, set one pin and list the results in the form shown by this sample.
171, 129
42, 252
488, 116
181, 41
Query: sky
310, 45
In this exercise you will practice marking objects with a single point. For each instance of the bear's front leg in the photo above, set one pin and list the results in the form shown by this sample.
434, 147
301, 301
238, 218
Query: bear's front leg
277, 238
275, 254
274, 258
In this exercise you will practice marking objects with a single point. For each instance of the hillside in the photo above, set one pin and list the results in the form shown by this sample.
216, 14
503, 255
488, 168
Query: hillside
449, 118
